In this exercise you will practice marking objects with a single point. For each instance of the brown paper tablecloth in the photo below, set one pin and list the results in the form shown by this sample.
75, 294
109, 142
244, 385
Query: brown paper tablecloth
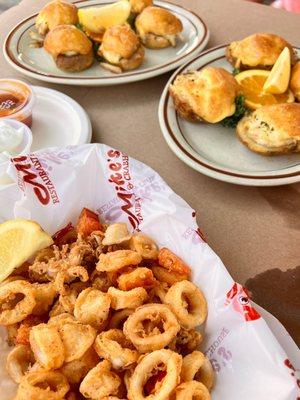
253, 230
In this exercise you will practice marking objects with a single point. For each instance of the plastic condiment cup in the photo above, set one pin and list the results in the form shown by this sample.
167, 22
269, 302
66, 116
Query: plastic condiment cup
22, 149
16, 100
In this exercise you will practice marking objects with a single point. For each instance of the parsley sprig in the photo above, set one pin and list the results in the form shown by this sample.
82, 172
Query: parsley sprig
240, 111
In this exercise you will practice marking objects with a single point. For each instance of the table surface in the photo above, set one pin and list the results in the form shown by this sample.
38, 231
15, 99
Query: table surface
256, 231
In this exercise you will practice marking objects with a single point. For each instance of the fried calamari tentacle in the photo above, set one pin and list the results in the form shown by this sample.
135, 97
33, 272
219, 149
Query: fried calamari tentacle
197, 367
148, 366
188, 304
17, 300
151, 327
113, 346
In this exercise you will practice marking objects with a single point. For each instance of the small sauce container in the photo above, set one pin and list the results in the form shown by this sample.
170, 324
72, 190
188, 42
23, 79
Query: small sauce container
22, 148
16, 101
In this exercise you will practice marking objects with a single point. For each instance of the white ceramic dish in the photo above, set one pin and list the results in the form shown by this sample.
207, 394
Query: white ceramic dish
214, 150
58, 120
37, 63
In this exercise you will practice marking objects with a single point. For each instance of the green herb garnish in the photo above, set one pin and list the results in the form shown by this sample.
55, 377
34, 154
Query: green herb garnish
79, 26
131, 20
95, 50
235, 71
240, 111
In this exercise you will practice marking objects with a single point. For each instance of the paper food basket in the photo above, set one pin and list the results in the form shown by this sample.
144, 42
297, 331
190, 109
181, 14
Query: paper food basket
53, 186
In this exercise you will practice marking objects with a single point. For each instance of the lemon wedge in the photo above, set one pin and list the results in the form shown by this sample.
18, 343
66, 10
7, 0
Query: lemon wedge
95, 19
19, 240
252, 84
278, 80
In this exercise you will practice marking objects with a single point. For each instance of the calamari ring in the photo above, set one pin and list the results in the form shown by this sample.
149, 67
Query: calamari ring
197, 367
45, 294
139, 277
192, 390
170, 261
47, 346
59, 320
112, 345
127, 298
145, 246
113, 261
40, 385
142, 328
150, 363
76, 370
77, 339
188, 304
100, 382
17, 300
158, 293
169, 277
92, 307
19, 362
119, 317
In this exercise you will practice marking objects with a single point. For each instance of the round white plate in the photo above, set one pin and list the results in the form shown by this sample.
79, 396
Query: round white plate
58, 120
37, 63
216, 151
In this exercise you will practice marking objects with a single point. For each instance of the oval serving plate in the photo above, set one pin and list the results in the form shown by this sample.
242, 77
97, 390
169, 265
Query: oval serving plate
214, 150
38, 64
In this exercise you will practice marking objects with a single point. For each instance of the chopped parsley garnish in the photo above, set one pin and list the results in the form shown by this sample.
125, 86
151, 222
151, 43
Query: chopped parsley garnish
79, 26
235, 71
240, 111
131, 21
95, 50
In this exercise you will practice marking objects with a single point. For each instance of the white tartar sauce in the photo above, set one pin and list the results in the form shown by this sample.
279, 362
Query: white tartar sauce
10, 140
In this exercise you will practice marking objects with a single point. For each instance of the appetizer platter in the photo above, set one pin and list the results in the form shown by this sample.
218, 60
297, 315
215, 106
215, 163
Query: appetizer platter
114, 302
101, 42
225, 111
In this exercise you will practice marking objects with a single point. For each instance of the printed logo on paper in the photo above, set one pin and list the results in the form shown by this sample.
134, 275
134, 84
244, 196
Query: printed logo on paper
31, 172
118, 163
238, 299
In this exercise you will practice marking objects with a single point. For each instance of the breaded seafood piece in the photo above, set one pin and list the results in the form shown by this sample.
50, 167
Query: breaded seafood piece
295, 81
137, 6
121, 48
259, 51
56, 13
158, 28
70, 48
206, 95
272, 130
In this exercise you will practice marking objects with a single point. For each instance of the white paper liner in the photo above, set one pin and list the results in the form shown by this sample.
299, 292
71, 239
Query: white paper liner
53, 187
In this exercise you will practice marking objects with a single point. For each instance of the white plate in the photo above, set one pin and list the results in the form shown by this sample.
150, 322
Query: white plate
214, 150
58, 120
37, 63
